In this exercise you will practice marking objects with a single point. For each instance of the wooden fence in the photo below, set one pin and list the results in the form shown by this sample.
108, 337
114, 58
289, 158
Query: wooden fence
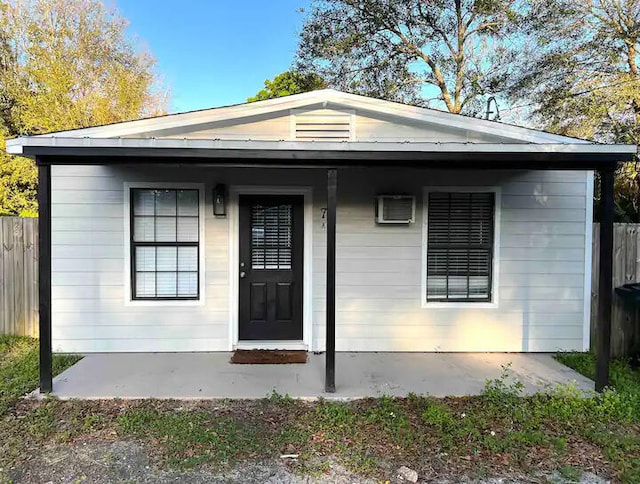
19, 281
19, 276
625, 334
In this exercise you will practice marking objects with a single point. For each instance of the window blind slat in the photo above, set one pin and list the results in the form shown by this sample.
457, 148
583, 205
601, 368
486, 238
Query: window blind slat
271, 237
144, 202
146, 284
187, 229
167, 259
145, 259
459, 245
166, 284
188, 203
144, 229
165, 229
165, 202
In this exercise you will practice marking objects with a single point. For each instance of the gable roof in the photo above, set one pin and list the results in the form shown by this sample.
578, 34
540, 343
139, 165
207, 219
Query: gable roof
141, 134
324, 98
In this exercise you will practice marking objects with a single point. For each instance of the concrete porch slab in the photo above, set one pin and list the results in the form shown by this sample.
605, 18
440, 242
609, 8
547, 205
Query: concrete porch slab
358, 375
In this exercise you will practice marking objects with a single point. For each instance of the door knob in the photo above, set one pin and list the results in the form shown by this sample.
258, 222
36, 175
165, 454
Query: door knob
243, 274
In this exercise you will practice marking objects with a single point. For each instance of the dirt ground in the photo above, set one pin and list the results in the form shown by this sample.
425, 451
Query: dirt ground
127, 462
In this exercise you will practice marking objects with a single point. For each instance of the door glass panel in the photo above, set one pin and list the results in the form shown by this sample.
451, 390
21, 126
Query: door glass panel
271, 236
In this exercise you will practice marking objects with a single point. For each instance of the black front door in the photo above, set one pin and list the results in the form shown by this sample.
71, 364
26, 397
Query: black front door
271, 258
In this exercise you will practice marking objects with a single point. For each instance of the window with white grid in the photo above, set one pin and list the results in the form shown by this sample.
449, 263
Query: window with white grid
165, 243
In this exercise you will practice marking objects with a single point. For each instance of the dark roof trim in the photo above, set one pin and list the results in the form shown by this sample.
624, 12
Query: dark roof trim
502, 161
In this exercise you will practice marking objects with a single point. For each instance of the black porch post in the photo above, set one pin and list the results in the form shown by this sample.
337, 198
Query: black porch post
44, 273
603, 351
330, 357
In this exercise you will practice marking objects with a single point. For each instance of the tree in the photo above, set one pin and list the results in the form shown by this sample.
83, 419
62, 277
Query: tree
581, 69
411, 50
287, 83
65, 64
581, 74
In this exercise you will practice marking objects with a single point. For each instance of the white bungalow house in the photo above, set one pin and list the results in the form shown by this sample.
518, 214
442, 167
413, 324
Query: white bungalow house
321, 221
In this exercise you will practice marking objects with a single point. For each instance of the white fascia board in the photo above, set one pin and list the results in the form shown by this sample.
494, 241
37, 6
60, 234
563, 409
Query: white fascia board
194, 118
15, 146
433, 116
314, 99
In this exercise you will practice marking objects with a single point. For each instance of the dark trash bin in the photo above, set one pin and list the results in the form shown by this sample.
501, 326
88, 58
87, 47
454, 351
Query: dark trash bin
630, 293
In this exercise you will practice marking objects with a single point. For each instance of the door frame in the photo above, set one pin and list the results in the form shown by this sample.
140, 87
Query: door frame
234, 261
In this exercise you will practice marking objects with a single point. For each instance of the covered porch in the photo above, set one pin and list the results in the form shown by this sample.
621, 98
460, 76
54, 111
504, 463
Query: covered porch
341, 374
360, 375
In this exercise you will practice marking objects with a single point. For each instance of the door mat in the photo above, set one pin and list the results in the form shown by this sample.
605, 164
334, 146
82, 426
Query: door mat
268, 357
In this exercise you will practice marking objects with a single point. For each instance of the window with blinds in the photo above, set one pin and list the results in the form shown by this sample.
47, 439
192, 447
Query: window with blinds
165, 239
460, 238
271, 236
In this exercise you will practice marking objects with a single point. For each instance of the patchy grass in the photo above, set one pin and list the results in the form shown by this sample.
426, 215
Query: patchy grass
19, 368
617, 431
192, 438
501, 433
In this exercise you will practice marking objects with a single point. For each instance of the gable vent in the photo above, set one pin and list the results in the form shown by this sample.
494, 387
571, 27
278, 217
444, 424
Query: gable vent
322, 125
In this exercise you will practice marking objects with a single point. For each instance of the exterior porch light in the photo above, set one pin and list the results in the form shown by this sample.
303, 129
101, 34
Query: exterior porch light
219, 200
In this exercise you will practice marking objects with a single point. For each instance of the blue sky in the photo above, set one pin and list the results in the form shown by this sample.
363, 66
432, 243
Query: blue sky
215, 52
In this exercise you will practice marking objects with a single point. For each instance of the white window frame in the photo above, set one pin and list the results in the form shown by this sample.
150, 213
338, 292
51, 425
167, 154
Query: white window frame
129, 301
494, 303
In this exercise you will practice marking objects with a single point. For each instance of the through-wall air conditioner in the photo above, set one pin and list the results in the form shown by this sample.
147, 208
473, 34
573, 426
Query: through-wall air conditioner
395, 209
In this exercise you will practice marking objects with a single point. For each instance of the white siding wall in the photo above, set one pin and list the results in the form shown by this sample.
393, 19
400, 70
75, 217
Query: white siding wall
262, 128
378, 270
365, 126
541, 267
381, 128
88, 249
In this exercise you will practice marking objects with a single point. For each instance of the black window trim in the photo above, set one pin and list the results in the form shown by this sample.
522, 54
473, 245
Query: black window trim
133, 244
492, 300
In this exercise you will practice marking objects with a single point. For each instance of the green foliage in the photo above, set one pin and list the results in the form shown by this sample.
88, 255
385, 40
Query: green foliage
19, 368
391, 417
335, 416
288, 83
410, 50
504, 391
65, 64
624, 378
73, 65
583, 362
440, 417
18, 186
277, 399
621, 403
